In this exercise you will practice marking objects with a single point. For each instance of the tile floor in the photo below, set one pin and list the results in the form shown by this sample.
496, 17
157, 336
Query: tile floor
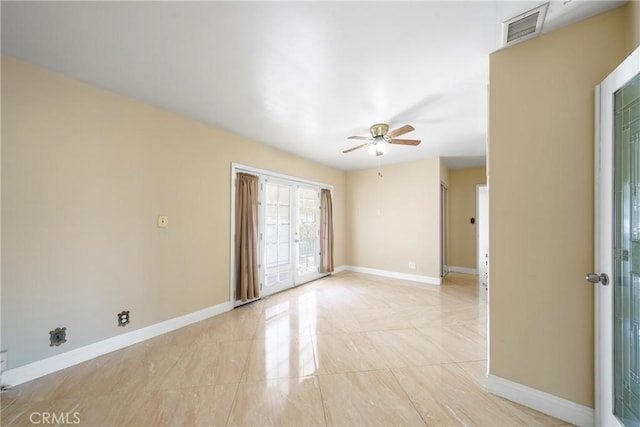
350, 349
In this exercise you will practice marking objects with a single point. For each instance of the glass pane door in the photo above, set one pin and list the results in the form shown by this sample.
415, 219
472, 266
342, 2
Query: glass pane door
626, 292
277, 236
289, 234
307, 233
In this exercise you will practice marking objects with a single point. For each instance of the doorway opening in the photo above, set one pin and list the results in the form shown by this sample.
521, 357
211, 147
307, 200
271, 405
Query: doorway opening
288, 231
444, 235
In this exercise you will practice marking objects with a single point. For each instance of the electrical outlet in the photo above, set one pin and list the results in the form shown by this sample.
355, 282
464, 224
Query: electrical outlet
412, 265
3, 361
123, 318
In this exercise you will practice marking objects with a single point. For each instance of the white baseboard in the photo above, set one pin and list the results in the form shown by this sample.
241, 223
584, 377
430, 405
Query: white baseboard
463, 270
550, 404
55, 363
393, 274
339, 269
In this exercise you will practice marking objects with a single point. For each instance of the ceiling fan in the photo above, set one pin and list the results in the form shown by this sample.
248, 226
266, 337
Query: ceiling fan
380, 137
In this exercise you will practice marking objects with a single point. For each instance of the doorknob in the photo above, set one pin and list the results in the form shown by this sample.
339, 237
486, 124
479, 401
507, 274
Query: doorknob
594, 278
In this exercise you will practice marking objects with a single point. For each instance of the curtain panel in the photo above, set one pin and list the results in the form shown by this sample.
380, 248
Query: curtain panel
247, 278
326, 231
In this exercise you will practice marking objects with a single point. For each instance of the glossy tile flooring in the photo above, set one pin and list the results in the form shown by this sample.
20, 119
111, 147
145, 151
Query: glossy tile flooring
349, 349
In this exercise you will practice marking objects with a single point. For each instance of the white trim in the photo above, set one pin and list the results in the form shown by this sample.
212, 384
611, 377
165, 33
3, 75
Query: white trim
55, 363
240, 167
478, 217
394, 275
463, 270
444, 246
550, 404
339, 269
232, 240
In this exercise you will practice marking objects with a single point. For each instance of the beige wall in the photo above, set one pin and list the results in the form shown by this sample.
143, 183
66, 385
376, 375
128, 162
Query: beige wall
394, 220
633, 24
462, 207
541, 203
85, 172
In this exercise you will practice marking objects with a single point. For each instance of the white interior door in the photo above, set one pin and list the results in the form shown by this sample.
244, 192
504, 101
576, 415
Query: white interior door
617, 246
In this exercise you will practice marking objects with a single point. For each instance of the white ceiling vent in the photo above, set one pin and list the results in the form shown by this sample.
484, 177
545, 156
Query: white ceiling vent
524, 26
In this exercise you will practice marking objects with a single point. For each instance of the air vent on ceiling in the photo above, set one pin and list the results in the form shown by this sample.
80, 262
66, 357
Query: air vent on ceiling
524, 26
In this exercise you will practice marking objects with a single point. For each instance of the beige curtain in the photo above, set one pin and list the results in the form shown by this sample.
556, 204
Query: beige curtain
247, 281
326, 232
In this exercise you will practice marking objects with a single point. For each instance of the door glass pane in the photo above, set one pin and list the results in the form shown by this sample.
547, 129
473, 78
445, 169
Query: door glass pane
272, 232
277, 245
308, 208
283, 234
626, 278
272, 254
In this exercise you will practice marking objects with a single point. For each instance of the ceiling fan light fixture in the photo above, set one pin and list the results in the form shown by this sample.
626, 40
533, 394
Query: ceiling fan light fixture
378, 146
380, 139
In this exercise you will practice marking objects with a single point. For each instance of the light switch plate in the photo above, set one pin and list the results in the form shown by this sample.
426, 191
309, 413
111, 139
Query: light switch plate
163, 221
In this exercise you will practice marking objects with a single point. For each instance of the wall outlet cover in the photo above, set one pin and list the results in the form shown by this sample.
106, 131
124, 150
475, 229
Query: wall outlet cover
123, 318
57, 337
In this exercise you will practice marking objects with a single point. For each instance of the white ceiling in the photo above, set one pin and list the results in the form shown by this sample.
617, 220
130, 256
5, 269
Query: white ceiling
299, 76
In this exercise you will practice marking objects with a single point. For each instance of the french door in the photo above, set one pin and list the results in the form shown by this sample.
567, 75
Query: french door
289, 234
617, 246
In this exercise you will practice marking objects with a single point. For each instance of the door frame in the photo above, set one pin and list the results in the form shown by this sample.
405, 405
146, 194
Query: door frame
479, 219
444, 229
603, 234
239, 167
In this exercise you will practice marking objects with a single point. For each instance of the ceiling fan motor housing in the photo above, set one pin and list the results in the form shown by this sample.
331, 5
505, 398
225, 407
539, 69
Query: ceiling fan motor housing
379, 129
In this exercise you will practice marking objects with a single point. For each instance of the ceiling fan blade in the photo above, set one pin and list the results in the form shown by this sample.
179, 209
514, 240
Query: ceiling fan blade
354, 148
405, 141
400, 131
365, 138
